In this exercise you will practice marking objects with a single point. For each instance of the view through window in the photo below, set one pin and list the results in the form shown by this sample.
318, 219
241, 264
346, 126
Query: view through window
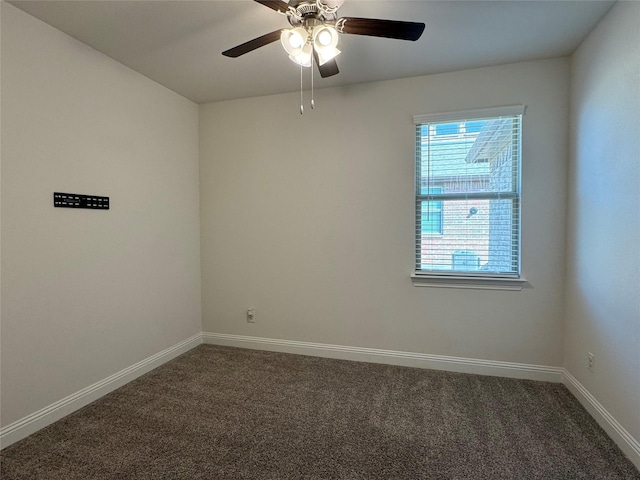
468, 193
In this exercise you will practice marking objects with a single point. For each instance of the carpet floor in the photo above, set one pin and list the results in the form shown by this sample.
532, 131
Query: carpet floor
227, 413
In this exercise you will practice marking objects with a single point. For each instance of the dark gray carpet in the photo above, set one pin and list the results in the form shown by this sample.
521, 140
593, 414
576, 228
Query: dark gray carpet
225, 413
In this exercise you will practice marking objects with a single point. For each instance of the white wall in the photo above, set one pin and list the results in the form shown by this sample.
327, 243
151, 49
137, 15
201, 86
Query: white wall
87, 293
310, 219
603, 256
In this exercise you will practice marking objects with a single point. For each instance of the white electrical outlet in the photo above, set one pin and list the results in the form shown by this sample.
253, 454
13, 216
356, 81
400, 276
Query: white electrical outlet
251, 315
590, 360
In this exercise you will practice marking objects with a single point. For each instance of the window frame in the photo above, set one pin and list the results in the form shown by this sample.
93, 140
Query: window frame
457, 279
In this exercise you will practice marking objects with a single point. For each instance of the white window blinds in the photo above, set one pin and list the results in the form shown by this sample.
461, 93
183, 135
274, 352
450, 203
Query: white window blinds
467, 192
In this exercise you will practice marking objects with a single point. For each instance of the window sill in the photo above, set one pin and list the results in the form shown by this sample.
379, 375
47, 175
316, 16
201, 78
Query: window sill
474, 282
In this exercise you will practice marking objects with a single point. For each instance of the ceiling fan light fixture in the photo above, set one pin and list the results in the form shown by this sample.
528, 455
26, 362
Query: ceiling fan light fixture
325, 41
325, 37
327, 54
304, 57
294, 40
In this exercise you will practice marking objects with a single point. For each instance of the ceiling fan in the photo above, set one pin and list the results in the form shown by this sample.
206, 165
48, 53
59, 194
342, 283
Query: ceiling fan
314, 36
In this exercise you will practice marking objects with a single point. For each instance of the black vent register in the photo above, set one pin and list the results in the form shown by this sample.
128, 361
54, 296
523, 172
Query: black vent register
75, 200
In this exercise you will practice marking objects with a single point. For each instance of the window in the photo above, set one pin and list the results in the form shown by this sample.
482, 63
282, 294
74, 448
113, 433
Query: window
468, 194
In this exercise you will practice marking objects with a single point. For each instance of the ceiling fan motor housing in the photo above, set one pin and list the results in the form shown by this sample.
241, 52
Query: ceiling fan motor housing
310, 14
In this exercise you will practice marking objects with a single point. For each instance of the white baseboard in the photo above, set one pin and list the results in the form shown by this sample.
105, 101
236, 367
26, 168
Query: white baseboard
46, 416
629, 445
391, 357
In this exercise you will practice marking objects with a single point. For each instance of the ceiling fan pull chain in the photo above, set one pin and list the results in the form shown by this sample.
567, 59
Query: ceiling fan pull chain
301, 100
313, 104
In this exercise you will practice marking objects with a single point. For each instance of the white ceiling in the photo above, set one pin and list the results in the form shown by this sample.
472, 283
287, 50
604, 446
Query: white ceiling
179, 43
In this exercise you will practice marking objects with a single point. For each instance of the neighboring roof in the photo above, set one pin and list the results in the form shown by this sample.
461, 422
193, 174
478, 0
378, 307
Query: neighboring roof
447, 158
494, 137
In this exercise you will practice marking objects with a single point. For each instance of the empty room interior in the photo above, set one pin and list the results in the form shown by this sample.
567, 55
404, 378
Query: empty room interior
439, 212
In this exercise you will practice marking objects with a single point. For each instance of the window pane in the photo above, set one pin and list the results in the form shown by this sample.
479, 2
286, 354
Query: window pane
477, 161
477, 236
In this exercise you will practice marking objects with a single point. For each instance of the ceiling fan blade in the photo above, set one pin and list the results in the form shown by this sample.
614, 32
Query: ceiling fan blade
381, 28
252, 44
327, 69
277, 5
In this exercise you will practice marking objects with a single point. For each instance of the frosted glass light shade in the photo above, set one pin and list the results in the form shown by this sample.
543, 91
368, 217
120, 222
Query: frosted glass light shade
325, 40
294, 40
304, 57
